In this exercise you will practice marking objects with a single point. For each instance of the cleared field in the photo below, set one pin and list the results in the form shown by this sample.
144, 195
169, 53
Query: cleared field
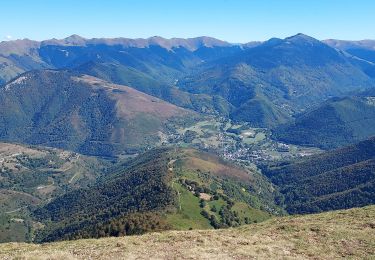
254, 215
253, 140
189, 216
339, 234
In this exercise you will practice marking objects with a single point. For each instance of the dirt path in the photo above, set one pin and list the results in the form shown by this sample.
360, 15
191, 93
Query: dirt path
45, 186
170, 168
16, 210
77, 173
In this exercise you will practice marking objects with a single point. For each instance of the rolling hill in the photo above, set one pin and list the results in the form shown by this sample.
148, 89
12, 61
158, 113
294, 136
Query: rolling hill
149, 65
337, 234
336, 179
142, 81
161, 189
83, 114
336, 122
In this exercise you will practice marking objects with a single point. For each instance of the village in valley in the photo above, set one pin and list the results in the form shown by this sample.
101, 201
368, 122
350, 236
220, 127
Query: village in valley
236, 142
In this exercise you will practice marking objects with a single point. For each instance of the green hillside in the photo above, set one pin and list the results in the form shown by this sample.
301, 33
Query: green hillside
84, 114
337, 122
161, 189
262, 83
337, 179
271, 82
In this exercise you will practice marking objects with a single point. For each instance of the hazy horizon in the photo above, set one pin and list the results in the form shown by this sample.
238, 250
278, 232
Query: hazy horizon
194, 37
233, 21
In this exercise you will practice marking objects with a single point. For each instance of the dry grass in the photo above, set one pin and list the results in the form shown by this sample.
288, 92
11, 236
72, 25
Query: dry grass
215, 165
332, 235
130, 102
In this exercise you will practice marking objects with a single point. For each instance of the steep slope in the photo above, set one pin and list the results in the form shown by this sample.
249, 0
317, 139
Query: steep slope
337, 122
270, 82
336, 179
332, 235
161, 189
130, 198
362, 53
82, 113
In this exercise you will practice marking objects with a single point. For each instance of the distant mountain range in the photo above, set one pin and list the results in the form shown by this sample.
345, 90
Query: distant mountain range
364, 49
264, 84
270, 82
23, 55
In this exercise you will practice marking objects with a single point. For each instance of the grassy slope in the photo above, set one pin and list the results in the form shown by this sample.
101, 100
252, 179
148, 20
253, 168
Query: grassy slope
216, 174
329, 235
189, 216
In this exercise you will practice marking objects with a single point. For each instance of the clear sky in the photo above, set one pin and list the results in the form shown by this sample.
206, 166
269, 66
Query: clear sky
231, 20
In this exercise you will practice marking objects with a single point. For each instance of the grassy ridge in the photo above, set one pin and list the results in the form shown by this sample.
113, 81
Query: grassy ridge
212, 193
330, 235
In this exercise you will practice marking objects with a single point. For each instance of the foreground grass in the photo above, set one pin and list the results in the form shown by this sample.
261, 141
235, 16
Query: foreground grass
349, 233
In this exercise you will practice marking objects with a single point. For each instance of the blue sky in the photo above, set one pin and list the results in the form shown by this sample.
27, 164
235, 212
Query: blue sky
231, 20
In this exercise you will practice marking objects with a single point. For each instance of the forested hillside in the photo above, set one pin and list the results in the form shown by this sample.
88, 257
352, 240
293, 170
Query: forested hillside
261, 83
84, 114
337, 122
337, 179
161, 189
31, 176
260, 113
271, 82
141, 187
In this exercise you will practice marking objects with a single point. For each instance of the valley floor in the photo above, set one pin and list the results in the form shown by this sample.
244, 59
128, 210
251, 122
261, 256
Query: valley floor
347, 233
